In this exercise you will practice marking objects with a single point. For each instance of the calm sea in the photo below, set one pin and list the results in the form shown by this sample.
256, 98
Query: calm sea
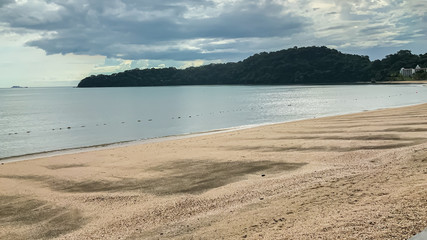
37, 120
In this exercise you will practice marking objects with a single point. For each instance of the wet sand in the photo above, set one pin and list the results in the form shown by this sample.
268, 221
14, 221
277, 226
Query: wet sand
356, 176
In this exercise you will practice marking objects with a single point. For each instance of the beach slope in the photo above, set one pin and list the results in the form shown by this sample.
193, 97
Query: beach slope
356, 176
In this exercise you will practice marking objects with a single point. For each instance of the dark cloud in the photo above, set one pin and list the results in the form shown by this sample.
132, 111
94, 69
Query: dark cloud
250, 22
147, 29
206, 29
5, 2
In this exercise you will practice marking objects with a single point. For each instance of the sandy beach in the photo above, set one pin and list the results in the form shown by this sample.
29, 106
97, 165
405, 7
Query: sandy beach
404, 82
356, 176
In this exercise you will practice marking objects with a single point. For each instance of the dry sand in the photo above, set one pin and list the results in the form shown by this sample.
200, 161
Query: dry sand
357, 176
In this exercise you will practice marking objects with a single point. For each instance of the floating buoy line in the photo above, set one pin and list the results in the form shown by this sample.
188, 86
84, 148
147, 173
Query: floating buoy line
57, 129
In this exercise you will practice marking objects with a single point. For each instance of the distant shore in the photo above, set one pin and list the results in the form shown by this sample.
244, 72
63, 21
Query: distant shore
353, 176
403, 82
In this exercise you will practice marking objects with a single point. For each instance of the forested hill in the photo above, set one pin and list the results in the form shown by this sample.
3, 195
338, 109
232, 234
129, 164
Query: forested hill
307, 65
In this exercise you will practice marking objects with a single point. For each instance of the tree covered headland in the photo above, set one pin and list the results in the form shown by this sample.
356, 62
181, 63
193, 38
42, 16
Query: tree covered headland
306, 65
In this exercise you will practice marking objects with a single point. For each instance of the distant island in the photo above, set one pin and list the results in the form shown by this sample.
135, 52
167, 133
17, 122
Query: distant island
305, 65
18, 87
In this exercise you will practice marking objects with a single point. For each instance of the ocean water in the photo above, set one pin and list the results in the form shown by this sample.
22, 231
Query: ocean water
35, 120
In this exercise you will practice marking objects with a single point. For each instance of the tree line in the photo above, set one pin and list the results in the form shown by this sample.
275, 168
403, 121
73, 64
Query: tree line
305, 65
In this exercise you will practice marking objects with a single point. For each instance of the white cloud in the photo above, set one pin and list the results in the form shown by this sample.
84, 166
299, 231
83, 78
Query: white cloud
26, 66
195, 63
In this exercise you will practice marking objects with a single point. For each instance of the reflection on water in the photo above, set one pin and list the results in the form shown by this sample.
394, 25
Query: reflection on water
44, 119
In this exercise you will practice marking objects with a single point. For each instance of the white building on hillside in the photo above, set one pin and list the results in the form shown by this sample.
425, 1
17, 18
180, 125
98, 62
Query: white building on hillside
407, 72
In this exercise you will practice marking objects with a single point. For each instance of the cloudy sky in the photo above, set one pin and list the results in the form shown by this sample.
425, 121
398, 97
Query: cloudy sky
59, 42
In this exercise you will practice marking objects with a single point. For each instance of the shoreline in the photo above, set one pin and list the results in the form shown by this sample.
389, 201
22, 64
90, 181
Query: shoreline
422, 82
112, 145
105, 146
